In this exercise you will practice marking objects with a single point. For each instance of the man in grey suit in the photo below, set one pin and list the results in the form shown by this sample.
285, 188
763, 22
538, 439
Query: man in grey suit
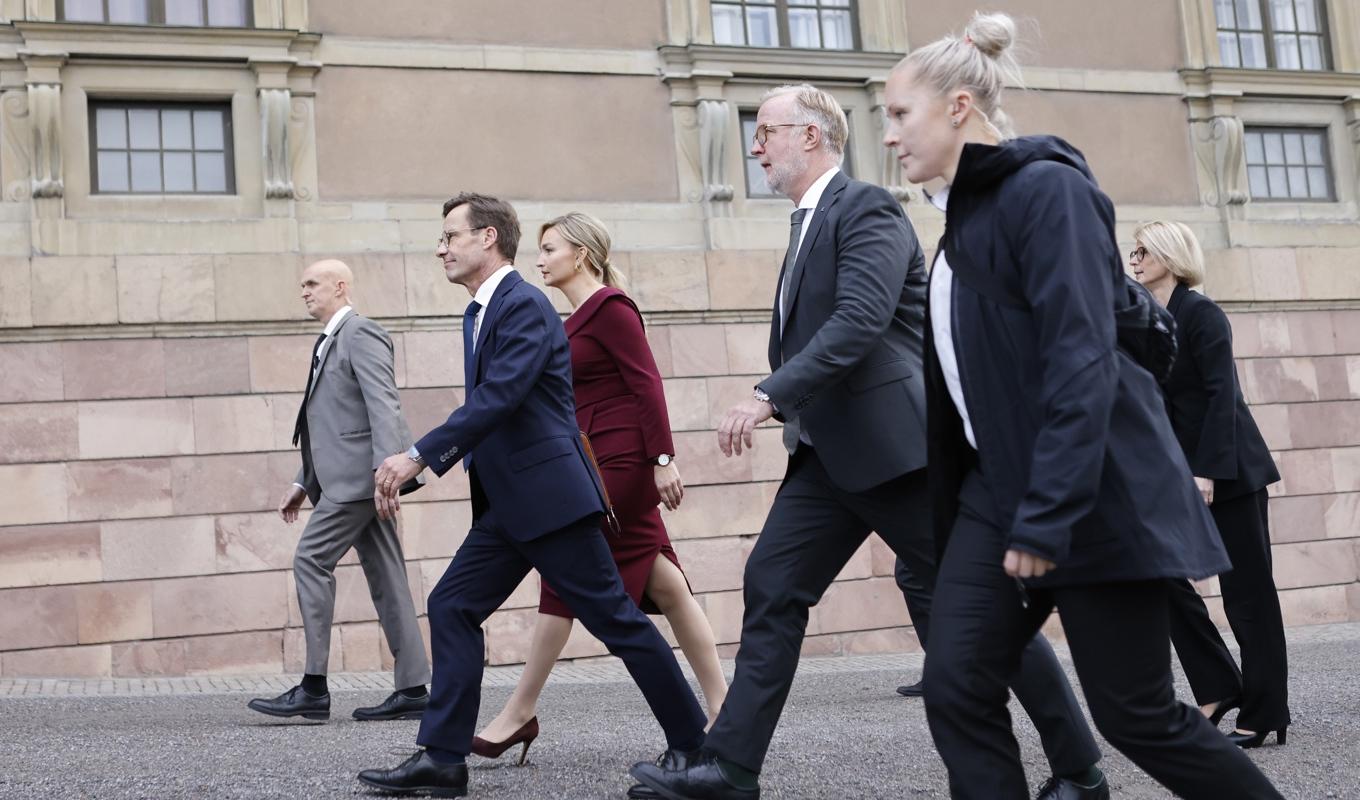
349, 421
846, 339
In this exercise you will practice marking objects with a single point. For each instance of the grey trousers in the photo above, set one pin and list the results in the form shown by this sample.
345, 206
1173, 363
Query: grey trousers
332, 530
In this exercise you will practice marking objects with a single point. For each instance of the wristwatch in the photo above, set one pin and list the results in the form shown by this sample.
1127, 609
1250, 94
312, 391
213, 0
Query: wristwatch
663, 460
760, 395
415, 456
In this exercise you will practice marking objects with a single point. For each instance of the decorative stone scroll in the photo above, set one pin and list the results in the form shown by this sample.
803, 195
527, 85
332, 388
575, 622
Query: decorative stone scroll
44, 112
276, 109
1220, 150
713, 122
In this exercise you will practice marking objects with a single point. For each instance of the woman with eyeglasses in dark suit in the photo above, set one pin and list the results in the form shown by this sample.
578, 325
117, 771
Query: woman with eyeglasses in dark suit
1232, 468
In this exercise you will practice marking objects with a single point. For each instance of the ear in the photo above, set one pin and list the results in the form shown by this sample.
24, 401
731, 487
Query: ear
489, 237
960, 103
812, 137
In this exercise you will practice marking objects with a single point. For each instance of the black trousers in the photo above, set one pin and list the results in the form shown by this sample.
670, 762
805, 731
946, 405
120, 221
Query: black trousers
1252, 606
1120, 645
812, 530
576, 561
1043, 691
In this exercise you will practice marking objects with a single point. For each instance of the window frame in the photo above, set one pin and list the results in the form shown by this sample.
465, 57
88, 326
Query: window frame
781, 16
1268, 32
1328, 163
155, 15
228, 144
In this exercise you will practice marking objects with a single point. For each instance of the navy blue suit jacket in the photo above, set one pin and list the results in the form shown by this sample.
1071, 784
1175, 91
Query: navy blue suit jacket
518, 420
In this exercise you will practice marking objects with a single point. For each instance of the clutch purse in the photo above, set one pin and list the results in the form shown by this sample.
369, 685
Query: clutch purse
609, 515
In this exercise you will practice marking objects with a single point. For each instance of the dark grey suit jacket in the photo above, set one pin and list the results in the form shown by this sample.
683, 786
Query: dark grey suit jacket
847, 362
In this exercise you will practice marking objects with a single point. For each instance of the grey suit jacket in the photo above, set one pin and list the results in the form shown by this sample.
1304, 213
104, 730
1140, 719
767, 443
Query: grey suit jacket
354, 418
847, 361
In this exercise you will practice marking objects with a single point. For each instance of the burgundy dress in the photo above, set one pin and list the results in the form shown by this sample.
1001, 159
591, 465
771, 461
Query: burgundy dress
621, 406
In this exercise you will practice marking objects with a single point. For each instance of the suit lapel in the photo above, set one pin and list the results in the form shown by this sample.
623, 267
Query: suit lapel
492, 311
828, 199
331, 342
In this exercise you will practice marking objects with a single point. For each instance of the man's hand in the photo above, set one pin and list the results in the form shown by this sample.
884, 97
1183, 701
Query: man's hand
1206, 489
392, 474
291, 502
670, 486
741, 420
1019, 564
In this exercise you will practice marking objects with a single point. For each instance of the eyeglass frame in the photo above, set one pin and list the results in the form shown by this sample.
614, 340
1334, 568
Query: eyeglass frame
762, 132
446, 238
1137, 254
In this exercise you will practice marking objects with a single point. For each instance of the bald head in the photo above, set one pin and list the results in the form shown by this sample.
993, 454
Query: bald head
326, 287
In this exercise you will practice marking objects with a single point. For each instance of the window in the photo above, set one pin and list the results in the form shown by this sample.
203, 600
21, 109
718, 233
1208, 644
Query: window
826, 24
161, 148
1272, 34
198, 13
1288, 164
755, 176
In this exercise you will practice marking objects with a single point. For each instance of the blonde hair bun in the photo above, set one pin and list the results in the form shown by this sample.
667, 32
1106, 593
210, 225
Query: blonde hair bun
991, 34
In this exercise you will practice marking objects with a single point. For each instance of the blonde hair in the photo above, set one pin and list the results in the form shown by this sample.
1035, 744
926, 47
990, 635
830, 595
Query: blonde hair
979, 61
1176, 246
584, 231
817, 107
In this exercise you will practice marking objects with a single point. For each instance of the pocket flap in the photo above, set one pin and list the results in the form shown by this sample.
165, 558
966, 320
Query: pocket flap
865, 378
351, 434
555, 447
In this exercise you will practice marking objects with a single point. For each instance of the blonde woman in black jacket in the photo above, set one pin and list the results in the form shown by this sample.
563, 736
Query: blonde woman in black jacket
1055, 476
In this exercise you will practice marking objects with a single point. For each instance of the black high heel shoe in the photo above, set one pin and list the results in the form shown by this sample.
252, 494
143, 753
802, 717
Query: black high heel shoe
1247, 741
1224, 706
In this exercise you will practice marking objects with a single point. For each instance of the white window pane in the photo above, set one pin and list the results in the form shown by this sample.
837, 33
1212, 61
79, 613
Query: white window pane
803, 28
802, 2
113, 172
1312, 149
212, 171
840, 3
1311, 47
1255, 152
1274, 148
208, 130
1227, 50
727, 25
836, 30
184, 12
1253, 50
227, 13
755, 179
129, 11
1282, 14
748, 133
1298, 182
146, 172
175, 129
1223, 12
179, 172
1286, 51
110, 127
1279, 181
144, 126
1256, 178
84, 11
763, 29
1317, 183
1293, 148
1248, 15
1305, 13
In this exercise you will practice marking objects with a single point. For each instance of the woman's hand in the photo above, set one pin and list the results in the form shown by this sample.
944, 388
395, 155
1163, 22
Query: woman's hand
1206, 489
670, 486
1019, 564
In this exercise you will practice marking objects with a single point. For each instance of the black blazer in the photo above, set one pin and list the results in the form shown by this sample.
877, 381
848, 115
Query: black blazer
1205, 403
847, 363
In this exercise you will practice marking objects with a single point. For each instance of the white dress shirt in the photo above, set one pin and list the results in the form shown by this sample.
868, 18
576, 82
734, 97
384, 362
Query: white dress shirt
942, 325
483, 296
809, 200
331, 325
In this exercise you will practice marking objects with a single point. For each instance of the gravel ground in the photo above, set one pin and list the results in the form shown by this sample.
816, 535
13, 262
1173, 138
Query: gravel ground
845, 734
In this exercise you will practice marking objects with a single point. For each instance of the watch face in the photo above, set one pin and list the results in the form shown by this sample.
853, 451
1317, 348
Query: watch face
663, 460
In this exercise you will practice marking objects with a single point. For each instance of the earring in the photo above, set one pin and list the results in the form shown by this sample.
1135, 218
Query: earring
954, 122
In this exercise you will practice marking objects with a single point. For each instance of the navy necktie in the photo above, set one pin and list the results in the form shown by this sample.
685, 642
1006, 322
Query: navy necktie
469, 341
311, 377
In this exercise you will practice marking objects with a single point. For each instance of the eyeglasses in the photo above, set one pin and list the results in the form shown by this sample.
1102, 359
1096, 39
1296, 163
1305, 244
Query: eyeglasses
1137, 255
447, 237
763, 130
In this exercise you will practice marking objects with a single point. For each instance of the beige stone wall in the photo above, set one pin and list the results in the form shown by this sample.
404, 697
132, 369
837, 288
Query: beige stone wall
153, 351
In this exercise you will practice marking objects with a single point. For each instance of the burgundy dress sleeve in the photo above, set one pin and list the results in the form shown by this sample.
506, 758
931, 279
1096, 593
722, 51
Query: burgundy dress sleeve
617, 326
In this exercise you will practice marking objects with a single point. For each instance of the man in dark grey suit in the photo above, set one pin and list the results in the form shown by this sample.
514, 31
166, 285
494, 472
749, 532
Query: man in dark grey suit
845, 353
350, 420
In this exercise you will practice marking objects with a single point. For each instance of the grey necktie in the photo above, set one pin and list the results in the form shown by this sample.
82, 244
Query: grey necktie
790, 257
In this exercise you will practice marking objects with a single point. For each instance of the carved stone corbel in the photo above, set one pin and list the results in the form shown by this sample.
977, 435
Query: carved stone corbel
276, 109
1220, 149
713, 125
1352, 106
889, 168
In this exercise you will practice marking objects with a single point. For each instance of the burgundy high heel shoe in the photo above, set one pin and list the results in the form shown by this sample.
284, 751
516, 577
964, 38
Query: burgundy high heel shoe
526, 735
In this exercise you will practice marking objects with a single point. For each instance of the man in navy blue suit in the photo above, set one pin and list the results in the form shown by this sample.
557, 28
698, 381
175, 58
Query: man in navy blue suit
537, 502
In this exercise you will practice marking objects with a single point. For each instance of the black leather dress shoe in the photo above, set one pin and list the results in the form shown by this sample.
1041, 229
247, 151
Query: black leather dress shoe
670, 760
699, 780
420, 774
917, 689
396, 706
294, 703
1056, 788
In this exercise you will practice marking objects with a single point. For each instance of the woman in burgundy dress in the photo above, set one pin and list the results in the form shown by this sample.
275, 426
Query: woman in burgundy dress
621, 406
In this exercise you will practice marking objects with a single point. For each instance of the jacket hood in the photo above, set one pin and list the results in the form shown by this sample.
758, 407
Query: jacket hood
983, 165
